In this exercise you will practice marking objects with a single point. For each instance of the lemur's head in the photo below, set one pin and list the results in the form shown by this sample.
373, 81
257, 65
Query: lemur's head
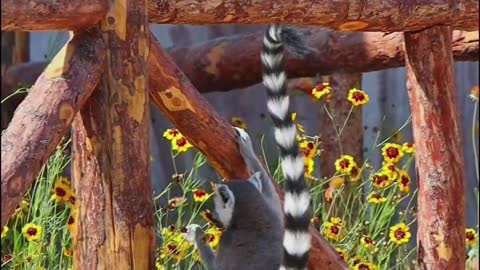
236, 202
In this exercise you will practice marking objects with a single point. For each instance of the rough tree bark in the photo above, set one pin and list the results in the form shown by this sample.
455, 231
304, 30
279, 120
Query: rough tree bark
227, 63
33, 15
180, 102
15, 50
46, 114
439, 155
350, 141
111, 170
353, 15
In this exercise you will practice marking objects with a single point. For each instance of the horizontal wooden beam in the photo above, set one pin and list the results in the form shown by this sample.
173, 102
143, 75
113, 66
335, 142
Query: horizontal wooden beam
343, 15
187, 109
224, 64
35, 15
45, 115
352, 15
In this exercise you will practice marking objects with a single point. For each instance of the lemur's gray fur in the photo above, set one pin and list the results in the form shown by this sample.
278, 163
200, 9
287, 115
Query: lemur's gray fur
256, 234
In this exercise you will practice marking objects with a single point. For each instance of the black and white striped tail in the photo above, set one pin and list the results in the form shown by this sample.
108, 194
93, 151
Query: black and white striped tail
296, 242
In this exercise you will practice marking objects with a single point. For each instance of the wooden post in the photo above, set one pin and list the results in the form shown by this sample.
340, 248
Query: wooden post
439, 154
114, 226
45, 115
351, 139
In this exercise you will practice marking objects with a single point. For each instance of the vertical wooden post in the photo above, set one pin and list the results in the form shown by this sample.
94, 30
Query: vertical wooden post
352, 135
114, 228
439, 154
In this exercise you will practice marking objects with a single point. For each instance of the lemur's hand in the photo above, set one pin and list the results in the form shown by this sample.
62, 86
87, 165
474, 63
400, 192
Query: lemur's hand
246, 150
194, 232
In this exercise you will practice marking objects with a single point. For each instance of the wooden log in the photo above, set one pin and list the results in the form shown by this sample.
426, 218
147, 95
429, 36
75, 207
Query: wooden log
60, 15
439, 151
224, 64
15, 50
46, 114
352, 15
180, 102
111, 167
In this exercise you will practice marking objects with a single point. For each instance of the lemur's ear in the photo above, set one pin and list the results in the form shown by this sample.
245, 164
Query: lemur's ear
255, 179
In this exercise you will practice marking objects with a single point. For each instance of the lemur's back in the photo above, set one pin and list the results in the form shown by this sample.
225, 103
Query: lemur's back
254, 239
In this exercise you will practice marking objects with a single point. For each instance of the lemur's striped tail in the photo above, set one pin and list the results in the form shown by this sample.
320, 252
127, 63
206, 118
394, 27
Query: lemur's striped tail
296, 242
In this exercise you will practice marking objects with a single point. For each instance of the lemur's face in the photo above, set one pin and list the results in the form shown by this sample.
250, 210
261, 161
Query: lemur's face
224, 202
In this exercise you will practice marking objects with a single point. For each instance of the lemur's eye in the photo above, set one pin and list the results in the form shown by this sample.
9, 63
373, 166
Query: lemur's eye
223, 192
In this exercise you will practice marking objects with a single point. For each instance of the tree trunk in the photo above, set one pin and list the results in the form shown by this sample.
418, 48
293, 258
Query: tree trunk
111, 170
196, 119
60, 15
46, 114
15, 50
353, 15
228, 63
350, 141
439, 155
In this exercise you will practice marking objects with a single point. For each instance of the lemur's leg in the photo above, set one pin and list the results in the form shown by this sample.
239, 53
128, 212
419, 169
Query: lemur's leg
260, 177
195, 235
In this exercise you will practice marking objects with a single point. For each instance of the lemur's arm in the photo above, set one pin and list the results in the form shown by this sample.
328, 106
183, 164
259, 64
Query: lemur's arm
195, 234
259, 177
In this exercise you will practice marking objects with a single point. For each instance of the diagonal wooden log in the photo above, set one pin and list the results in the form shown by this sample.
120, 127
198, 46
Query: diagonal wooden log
187, 109
34, 15
439, 155
349, 15
114, 228
224, 64
45, 115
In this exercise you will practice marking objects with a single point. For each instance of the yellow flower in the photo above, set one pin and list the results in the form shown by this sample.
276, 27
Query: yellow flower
238, 122
4, 231
175, 202
60, 191
71, 222
181, 144
342, 253
335, 229
32, 231
175, 246
22, 209
364, 266
375, 198
337, 182
207, 216
400, 234
470, 236
308, 148
67, 251
396, 135
200, 195
474, 93
171, 133
344, 164
357, 97
71, 198
408, 148
404, 181
381, 180
391, 169
367, 242
392, 152
321, 90
354, 173
309, 166
212, 237
357, 260
294, 116
64, 180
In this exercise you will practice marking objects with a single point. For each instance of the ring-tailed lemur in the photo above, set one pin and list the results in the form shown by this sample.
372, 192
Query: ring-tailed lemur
255, 235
